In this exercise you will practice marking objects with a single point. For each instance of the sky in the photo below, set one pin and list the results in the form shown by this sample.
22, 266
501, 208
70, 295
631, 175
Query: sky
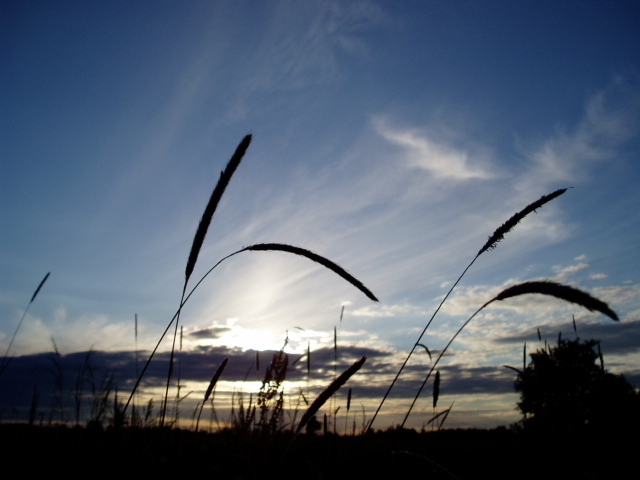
391, 138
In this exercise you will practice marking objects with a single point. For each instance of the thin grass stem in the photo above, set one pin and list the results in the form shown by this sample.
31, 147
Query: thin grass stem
491, 243
5, 359
563, 292
259, 247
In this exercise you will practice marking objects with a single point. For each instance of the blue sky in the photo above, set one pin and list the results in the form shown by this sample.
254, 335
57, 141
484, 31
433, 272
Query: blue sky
390, 137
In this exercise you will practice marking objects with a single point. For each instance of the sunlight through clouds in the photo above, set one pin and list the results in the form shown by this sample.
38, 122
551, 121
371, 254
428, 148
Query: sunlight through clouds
390, 137
233, 335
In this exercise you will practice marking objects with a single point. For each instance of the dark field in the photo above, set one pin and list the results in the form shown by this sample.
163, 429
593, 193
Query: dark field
464, 454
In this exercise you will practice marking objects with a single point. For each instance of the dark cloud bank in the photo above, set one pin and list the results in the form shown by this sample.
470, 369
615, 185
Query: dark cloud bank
49, 373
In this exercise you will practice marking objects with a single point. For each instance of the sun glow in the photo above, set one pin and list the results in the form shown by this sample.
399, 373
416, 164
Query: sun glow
233, 335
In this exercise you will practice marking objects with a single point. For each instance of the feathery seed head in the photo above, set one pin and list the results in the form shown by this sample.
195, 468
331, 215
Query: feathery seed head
564, 292
507, 226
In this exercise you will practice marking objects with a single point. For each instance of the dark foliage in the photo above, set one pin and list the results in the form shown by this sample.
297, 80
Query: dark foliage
566, 389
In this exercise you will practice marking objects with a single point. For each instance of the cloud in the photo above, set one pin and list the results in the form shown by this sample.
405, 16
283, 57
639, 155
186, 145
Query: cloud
72, 332
519, 317
387, 310
215, 331
624, 338
598, 276
439, 157
304, 46
611, 119
562, 273
197, 366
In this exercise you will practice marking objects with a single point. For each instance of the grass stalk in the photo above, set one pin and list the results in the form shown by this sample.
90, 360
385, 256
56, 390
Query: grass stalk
33, 409
563, 292
328, 393
257, 247
491, 244
198, 241
337, 269
6, 360
212, 384
346, 416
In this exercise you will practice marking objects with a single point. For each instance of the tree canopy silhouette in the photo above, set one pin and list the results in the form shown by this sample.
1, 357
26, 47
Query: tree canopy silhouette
565, 388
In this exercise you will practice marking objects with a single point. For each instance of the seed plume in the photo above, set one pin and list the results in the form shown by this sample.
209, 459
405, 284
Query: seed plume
205, 221
35, 294
329, 391
564, 292
5, 360
507, 226
214, 379
316, 258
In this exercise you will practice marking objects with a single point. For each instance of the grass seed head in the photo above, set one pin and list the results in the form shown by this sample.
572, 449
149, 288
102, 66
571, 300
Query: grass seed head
316, 258
215, 378
329, 391
216, 195
564, 292
507, 226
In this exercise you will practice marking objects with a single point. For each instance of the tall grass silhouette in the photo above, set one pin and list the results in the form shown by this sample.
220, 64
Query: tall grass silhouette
333, 387
212, 384
557, 290
491, 244
198, 241
270, 398
6, 359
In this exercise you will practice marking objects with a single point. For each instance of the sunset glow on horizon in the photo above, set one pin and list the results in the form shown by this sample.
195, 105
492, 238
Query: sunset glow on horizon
391, 138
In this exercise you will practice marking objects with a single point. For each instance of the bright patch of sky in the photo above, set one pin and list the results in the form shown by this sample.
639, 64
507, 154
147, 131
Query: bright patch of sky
390, 137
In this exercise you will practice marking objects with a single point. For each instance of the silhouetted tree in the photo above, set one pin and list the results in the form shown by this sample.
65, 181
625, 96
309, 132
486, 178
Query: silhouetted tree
567, 389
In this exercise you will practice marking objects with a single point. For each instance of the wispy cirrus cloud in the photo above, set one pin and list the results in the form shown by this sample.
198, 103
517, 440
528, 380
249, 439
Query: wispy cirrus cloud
442, 158
611, 118
564, 272
304, 46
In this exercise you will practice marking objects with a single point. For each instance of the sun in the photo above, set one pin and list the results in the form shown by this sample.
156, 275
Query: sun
232, 335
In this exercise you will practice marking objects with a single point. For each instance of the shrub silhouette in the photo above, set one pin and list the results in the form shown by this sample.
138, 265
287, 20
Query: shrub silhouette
566, 389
